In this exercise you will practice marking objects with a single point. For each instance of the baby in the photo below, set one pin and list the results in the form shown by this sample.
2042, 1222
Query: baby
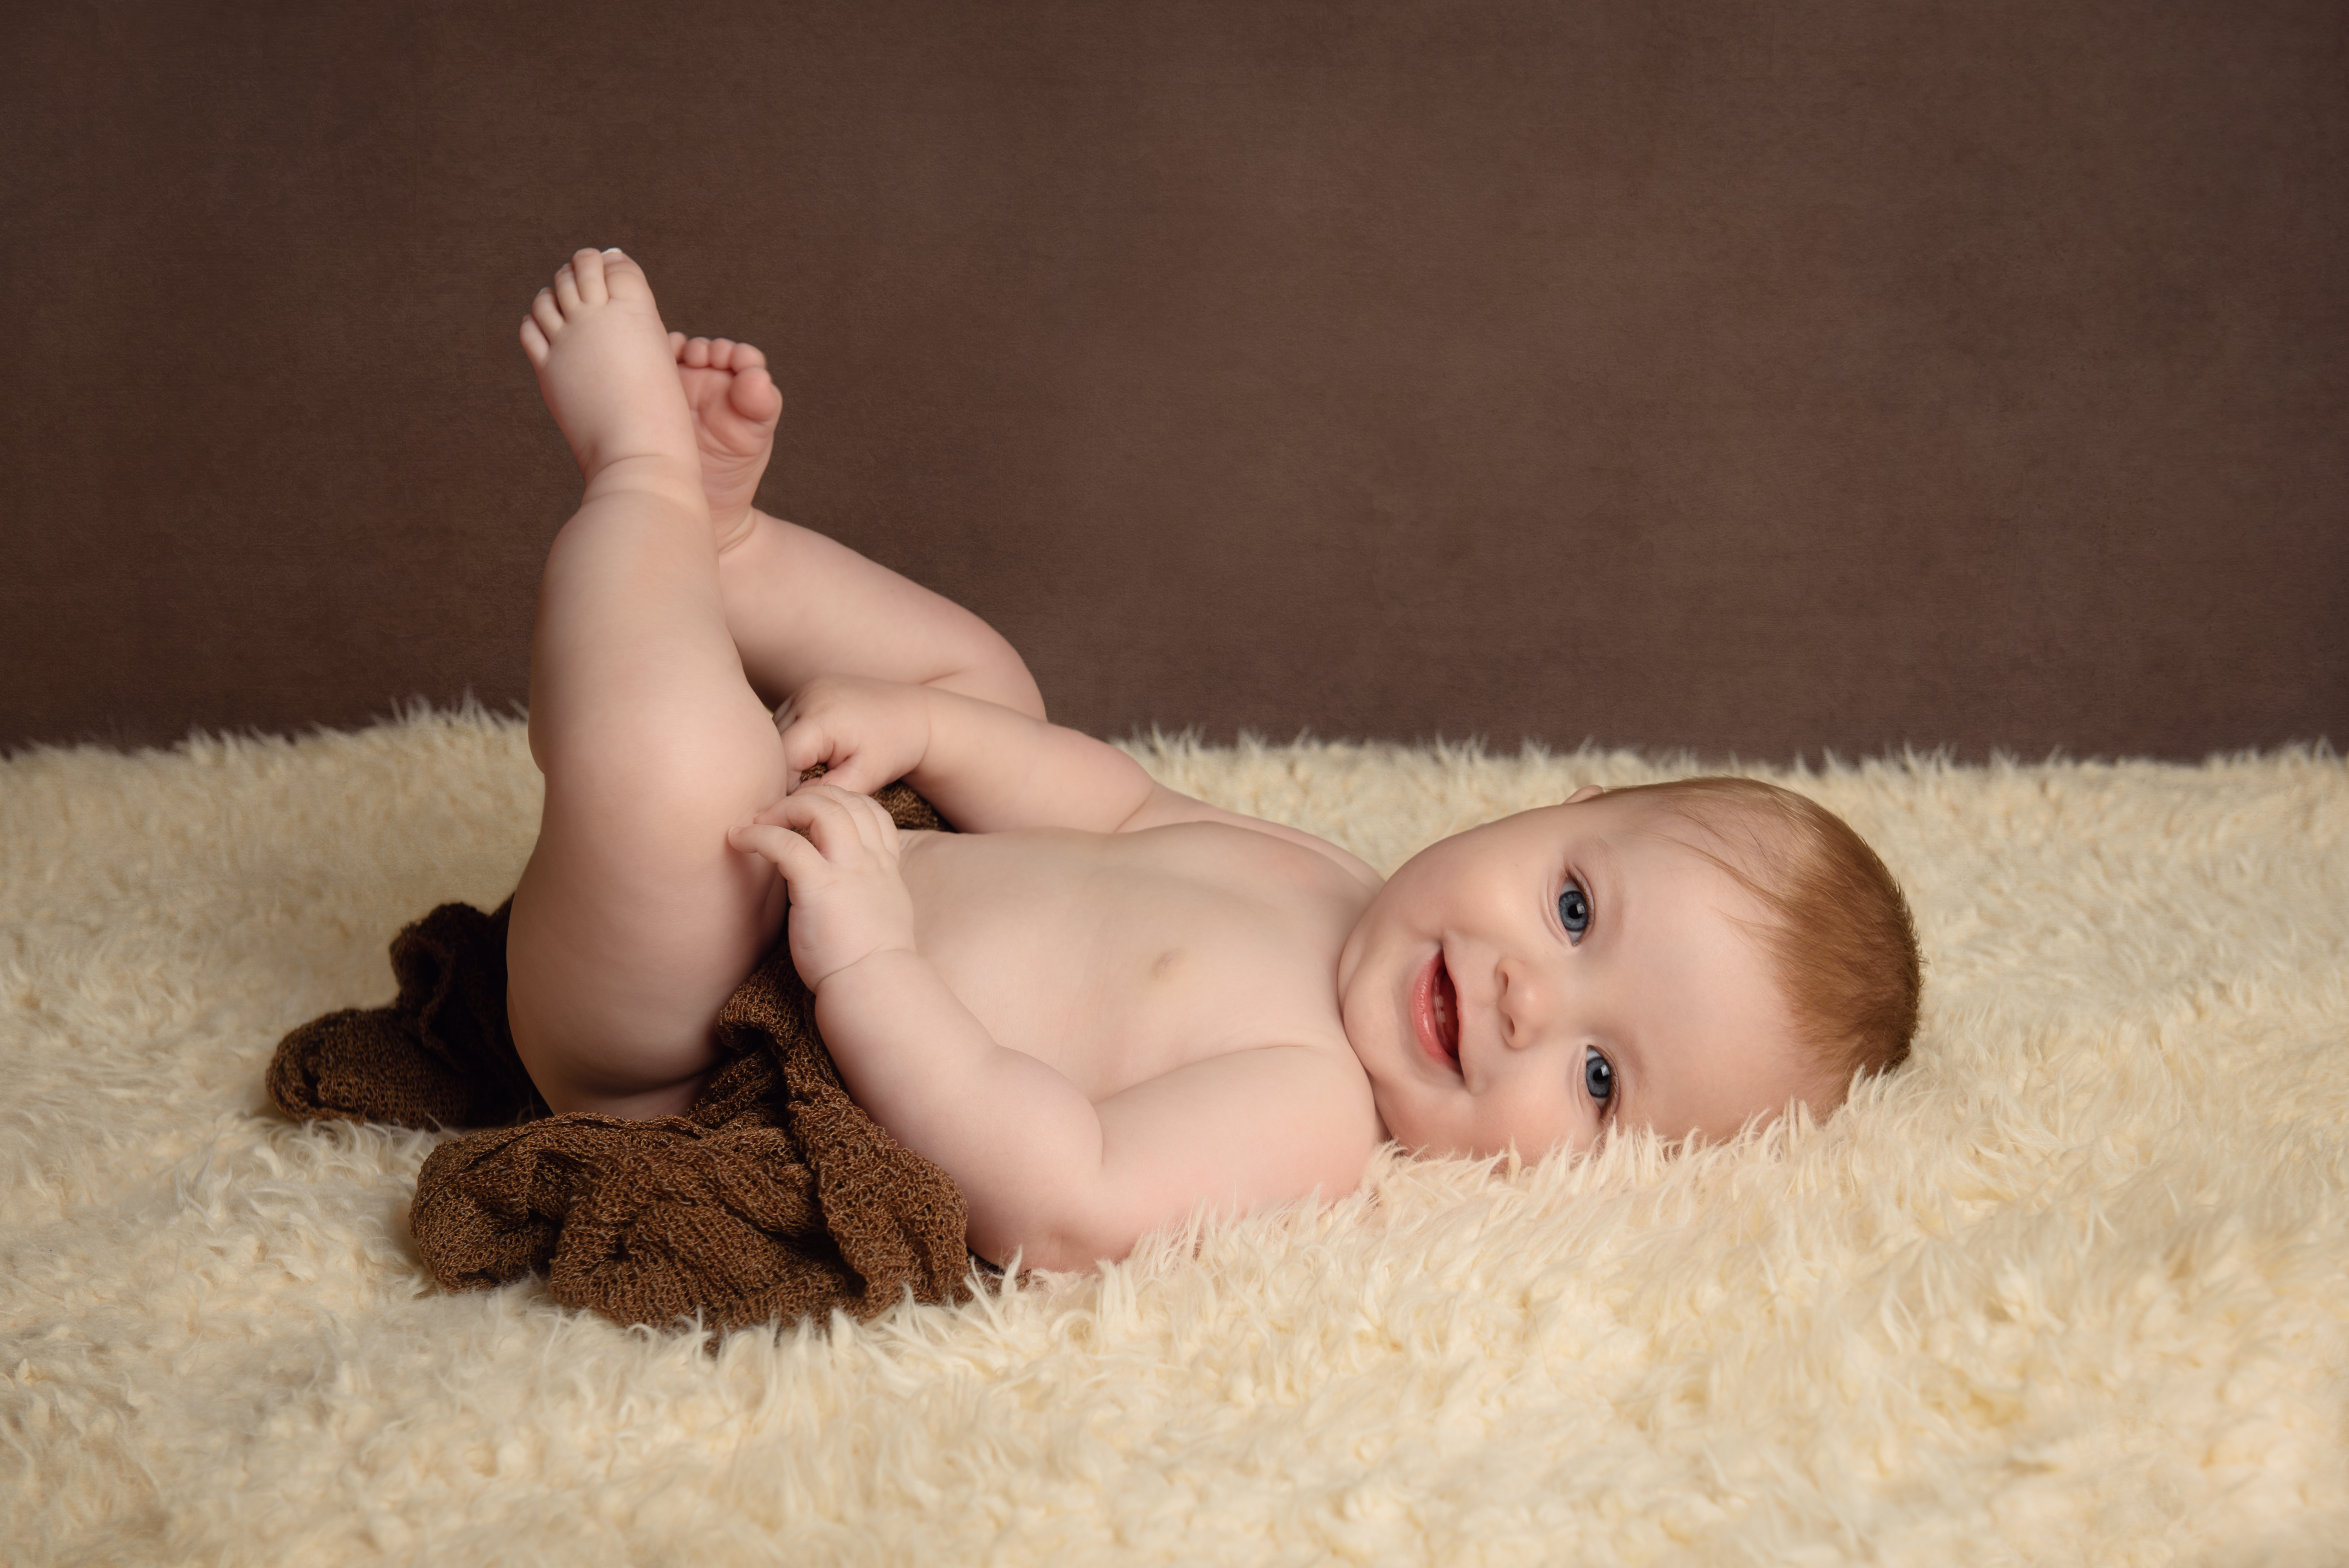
1102, 1002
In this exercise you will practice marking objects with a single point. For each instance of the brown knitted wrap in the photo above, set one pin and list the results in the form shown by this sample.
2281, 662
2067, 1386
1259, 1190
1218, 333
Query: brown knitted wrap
773, 1197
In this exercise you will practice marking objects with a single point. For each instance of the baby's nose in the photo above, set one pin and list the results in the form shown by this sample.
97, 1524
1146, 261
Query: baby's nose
1523, 1002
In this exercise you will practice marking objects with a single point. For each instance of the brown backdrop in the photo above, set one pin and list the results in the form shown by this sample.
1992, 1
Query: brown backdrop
1755, 377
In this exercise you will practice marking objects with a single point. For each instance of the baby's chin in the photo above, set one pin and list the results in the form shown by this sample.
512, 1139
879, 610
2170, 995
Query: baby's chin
1399, 1125
1419, 1141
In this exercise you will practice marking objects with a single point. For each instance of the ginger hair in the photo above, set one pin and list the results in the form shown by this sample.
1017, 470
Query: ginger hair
1839, 933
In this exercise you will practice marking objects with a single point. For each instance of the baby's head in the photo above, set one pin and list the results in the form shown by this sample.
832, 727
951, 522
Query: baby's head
1682, 957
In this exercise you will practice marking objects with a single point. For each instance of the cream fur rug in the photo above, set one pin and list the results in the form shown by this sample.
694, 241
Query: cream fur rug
2073, 1287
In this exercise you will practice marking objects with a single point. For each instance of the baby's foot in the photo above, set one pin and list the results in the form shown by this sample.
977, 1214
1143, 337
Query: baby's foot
735, 406
609, 376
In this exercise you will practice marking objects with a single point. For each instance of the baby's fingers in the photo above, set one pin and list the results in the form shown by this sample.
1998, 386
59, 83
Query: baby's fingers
794, 855
805, 744
854, 773
875, 827
839, 822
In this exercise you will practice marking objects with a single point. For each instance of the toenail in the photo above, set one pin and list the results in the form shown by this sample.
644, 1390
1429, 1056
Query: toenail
614, 250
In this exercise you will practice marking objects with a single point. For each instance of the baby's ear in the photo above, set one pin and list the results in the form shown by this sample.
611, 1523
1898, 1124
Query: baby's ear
1587, 792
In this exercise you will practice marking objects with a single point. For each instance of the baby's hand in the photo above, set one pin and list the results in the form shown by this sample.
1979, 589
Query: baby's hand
865, 732
848, 898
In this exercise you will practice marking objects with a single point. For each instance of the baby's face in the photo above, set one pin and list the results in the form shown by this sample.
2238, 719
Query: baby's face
1535, 980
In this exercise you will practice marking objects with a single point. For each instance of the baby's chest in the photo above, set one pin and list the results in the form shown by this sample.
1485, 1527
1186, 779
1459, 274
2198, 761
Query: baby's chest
1119, 960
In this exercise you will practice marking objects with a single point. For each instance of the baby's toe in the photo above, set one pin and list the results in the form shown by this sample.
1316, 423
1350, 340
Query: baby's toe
754, 396
729, 355
547, 314
587, 266
622, 278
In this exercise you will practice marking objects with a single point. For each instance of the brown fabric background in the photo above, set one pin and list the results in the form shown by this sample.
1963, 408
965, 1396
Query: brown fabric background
1749, 376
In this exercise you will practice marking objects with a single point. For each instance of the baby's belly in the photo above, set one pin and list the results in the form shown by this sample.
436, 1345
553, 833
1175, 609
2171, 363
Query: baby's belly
1117, 958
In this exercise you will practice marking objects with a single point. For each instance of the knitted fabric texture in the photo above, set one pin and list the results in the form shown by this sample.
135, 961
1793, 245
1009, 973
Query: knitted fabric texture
773, 1197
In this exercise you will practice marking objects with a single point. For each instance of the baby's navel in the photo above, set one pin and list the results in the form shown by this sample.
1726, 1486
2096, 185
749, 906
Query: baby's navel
1166, 964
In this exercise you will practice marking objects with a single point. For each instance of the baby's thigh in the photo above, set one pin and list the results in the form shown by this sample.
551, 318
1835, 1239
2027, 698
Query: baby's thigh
633, 923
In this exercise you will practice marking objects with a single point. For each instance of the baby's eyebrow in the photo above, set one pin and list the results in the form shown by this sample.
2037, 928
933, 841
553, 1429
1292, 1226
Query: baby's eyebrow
1603, 881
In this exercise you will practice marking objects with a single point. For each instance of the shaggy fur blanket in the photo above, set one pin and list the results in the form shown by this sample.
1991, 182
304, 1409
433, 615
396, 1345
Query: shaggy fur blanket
2073, 1287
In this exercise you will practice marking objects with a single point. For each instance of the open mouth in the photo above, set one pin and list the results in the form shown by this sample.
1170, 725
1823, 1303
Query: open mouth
1435, 1013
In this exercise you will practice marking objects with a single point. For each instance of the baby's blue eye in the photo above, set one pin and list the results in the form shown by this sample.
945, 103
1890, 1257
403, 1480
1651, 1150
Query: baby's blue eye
1574, 909
1598, 1074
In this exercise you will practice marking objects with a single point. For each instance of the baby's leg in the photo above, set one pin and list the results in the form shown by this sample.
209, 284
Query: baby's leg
634, 919
798, 605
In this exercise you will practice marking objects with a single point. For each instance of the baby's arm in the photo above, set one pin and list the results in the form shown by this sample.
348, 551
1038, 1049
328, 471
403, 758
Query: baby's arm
984, 767
987, 768
1047, 1173
798, 605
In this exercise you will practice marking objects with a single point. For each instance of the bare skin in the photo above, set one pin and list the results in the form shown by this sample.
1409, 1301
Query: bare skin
1101, 1004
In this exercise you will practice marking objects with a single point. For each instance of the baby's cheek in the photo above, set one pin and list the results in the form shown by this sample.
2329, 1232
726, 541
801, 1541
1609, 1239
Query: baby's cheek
1536, 1125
